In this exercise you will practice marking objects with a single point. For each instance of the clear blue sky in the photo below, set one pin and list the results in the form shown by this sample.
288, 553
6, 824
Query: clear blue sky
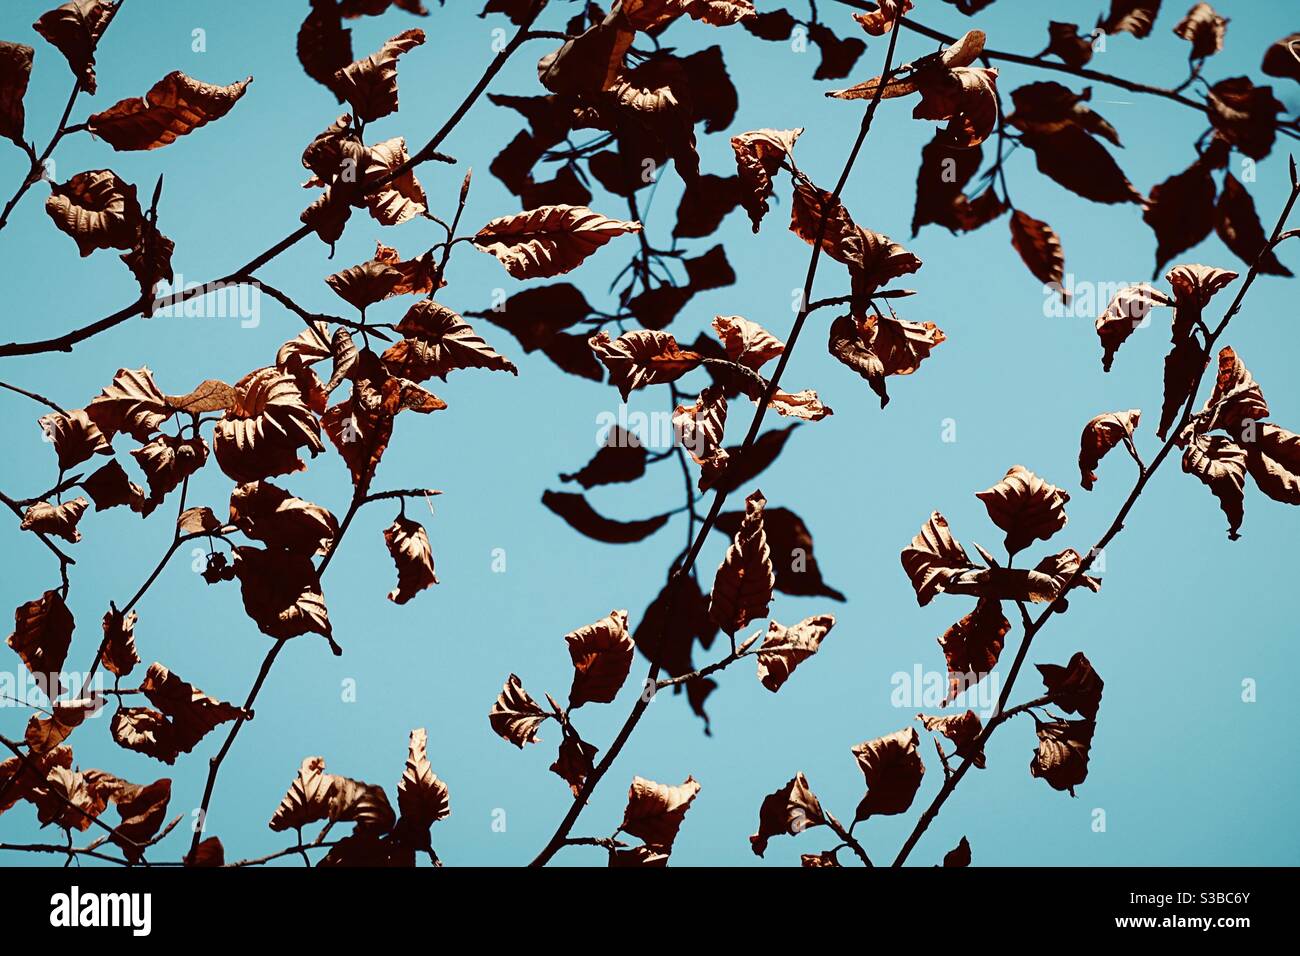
1186, 772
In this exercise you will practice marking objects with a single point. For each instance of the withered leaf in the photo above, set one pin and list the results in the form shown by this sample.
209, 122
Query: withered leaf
400, 198
259, 436
880, 21
15, 71
962, 730
1100, 435
197, 521
71, 800
621, 457
1238, 225
307, 799
1062, 756
75, 437
516, 716
1273, 460
893, 768
422, 798
209, 853
785, 648
965, 96
211, 395
973, 645
574, 762
704, 204
109, 487
1065, 42
1181, 209
1081, 164
370, 85
642, 357
143, 810
742, 586
746, 342
1127, 311
602, 657
838, 54
579, 514
1183, 367
790, 543
58, 520
1025, 507
74, 29
436, 341
166, 462
549, 240
41, 637
43, 734
700, 428
826, 858
591, 62
789, 810
1040, 249
958, 855
655, 811
1245, 115
411, 552
282, 593
804, 405
268, 513
1075, 688
175, 105
876, 347
22, 779
934, 559
97, 209
1221, 466
324, 46
118, 652
1280, 58
1237, 400
1130, 16
132, 404
1204, 29
759, 154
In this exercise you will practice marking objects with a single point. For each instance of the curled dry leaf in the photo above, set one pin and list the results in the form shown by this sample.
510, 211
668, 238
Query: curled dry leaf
876, 347
268, 513
118, 649
71, 800
210, 395
819, 860
1130, 16
655, 811
409, 546
602, 656
973, 645
1245, 115
370, 85
15, 71
58, 520
1181, 209
1184, 365
1127, 311
132, 404
967, 97
785, 648
185, 715
1204, 29
882, 20
584, 519
282, 593
789, 810
1237, 401
575, 761
747, 342
1194, 286
700, 428
43, 734
962, 53
41, 637
621, 457
1075, 688
893, 768
958, 855
109, 487
209, 853
642, 357
1025, 507
259, 436
1273, 460
143, 810
1062, 756
934, 559
74, 436
591, 62
400, 198
97, 209
422, 798
1238, 225
316, 795
1099, 436
516, 716
74, 29
962, 730
548, 240
1280, 58
436, 341
24, 778
175, 105
791, 544
759, 154
166, 462
1221, 466
804, 405
742, 586
1040, 249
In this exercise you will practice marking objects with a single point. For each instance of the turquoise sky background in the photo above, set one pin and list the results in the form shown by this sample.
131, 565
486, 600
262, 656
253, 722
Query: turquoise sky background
1186, 772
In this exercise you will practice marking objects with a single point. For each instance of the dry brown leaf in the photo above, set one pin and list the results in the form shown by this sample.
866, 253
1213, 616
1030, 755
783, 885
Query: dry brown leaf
109, 487
58, 520
74, 29
804, 405
893, 768
742, 586
1040, 249
959, 855
1273, 460
41, 636
436, 341
962, 730
282, 593
1204, 29
1062, 755
308, 798
15, 71
260, 435
759, 154
166, 462
1130, 16
1221, 466
1127, 311
1075, 688
211, 395
1025, 507
118, 650
876, 347
701, 428
1099, 436
548, 240
789, 810
97, 209
747, 342
881, 20
43, 734
132, 404
602, 656
268, 513
972, 646
785, 648
175, 105
516, 716
400, 198
934, 559
422, 798
74, 436
575, 762
1237, 401
370, 85
409, 546
655, 811
143, 810
642, 357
